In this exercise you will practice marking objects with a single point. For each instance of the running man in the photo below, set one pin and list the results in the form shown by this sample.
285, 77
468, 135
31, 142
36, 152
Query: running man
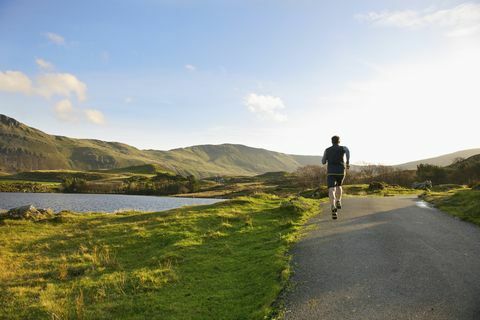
334, 158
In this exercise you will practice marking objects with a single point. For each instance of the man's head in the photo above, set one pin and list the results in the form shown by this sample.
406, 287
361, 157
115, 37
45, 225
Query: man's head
335, 140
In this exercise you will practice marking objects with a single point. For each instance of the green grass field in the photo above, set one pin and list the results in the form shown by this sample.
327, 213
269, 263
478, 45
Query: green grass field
223, 261
459, 202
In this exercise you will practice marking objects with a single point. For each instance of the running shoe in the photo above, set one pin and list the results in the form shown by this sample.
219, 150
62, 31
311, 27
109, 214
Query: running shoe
334, 213
338, 205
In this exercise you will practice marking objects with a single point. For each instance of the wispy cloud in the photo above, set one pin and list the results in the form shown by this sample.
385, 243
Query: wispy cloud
15, 81
61, 84
64, 110
50, 84
190, 67
55, 38
462, 20
46, 84
95, 116
265, 106
43, 64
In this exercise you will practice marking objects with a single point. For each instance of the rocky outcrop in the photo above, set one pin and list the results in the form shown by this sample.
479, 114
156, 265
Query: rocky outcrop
9, 121
28, 212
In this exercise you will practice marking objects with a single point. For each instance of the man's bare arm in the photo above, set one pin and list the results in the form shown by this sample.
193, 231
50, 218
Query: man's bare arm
347, 155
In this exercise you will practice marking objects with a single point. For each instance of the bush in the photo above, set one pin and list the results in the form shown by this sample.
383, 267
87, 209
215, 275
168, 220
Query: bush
310, 176
438, 175
73, 185
446, 187
475, 186
376, 186
317, 193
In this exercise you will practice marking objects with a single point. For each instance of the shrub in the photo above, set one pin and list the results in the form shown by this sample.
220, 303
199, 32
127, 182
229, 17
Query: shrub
475, 186
446, 187
318, 193
73, 185
376, 186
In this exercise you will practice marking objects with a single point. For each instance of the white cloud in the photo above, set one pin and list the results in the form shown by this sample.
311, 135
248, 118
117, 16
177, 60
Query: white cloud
128, 100
45, 65
61, 84
55, 38
51, 84
15, 81
265, 106
95, 116
46, 85
64, 110
190, 67
462, 20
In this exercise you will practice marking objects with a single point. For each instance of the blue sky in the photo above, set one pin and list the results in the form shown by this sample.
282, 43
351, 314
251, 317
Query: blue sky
397, 80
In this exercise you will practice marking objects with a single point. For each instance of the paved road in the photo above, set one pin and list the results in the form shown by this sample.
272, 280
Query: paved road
386, 258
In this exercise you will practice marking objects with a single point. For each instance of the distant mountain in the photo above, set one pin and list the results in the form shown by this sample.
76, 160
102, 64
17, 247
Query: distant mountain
23, 148
443, 160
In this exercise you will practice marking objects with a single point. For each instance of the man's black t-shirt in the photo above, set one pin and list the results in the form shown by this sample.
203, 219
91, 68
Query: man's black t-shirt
334, 158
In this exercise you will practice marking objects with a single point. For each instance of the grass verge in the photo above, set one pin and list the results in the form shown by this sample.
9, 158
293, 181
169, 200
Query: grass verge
387, 191
461, 203
223, 261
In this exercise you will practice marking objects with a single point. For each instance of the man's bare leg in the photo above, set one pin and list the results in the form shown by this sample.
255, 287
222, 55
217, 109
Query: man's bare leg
338, 197
331, 195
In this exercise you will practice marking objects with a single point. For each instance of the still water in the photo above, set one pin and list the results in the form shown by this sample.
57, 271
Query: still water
96, 202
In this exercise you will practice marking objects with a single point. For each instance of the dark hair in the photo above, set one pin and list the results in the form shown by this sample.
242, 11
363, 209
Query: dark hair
335, 139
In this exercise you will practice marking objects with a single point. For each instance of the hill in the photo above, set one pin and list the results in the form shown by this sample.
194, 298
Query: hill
224, 159
442, 161
23, 148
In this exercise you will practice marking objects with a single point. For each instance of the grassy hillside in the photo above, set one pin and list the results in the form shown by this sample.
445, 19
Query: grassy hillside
225, 159
147, 169
441, 161
57, 175
23, 148
224, 261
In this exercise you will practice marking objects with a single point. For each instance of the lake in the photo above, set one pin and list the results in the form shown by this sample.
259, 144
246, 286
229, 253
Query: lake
96, 202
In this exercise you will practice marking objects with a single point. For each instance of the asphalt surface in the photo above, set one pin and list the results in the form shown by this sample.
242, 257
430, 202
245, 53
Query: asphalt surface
386, 258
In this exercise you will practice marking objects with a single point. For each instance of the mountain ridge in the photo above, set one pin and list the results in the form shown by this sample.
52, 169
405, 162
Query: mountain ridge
24, 148
442, 160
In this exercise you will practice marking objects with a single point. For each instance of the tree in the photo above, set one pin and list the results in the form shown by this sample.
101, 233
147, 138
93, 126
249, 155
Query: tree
193, 184
436, 174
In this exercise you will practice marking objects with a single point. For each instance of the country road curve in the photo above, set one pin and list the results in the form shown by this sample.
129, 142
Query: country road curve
386, 258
